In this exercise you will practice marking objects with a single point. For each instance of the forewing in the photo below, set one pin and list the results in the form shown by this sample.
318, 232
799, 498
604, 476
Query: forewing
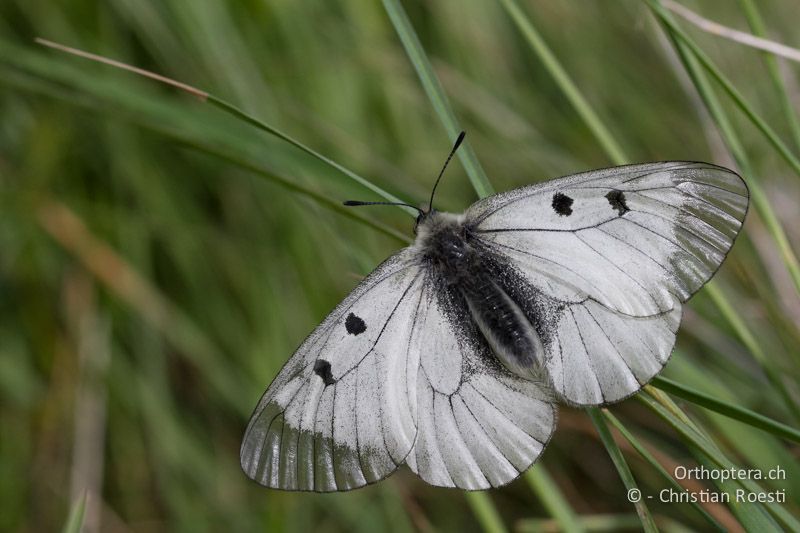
478, 425
339, 414
632, 238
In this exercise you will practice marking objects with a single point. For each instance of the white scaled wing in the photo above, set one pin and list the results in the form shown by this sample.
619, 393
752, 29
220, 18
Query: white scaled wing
478, 425
340, 415
619, 249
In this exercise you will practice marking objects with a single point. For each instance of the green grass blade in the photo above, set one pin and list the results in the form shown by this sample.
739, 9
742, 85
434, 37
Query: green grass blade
479, 502
752, 517
741, 414
762, 205
690, 53
760, 200
647, 456
183, 136
263, 126
301, 190
753, 16
698, 441
595, 523
552, 499
726, 84
234, 111
729, 88
568, 87
131, 287
622, 467
485, 511
74, 522
749, 339
421, 63
775, 228
537, 477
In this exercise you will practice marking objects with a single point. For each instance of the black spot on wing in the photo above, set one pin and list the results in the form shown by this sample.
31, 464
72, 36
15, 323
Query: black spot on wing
562, 204
355, 325
322, 368
616, 199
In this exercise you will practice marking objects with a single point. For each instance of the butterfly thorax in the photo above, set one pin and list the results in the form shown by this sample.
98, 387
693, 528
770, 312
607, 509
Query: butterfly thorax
452, 251
445, 242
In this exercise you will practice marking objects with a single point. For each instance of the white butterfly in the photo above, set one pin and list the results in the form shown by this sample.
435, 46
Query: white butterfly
451, 355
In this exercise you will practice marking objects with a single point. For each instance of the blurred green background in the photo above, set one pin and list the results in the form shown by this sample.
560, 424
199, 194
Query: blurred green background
160, 260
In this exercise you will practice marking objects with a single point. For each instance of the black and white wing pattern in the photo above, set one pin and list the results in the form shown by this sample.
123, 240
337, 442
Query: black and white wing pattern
478, 425
397, 373
340, 415
621, 249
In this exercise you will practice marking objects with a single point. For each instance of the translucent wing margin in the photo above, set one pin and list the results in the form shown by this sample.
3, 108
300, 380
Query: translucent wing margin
479, 426
339, 416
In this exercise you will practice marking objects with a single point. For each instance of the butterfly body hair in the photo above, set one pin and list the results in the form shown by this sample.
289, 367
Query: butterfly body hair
449, 249
443, 241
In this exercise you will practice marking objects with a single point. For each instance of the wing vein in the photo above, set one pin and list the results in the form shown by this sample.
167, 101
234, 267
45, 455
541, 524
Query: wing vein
594, 319
490, 402
616, 266
677, 245
385, 325
488, 438
333, 439
588, 355
565, 267
464, 442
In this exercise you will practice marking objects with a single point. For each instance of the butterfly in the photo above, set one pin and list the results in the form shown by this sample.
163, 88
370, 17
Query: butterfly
452, 355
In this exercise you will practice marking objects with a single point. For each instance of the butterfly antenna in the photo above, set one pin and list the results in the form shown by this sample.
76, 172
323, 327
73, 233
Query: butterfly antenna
449, 157
356, 203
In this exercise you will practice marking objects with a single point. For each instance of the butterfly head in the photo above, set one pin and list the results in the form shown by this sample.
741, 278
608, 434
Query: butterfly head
422, 219
433, 224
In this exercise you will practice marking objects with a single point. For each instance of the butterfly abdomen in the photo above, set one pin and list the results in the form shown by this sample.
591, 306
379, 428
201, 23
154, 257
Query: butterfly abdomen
504, 325
448, 246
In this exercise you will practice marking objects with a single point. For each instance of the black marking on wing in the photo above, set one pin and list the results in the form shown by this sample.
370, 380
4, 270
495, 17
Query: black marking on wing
258, 455
355, 325
503, 200
616, 199
322, 368
562, 204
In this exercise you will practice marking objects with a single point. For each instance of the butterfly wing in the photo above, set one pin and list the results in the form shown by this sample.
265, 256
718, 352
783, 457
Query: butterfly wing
620, 249
478, 425
601, 356
339, 415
